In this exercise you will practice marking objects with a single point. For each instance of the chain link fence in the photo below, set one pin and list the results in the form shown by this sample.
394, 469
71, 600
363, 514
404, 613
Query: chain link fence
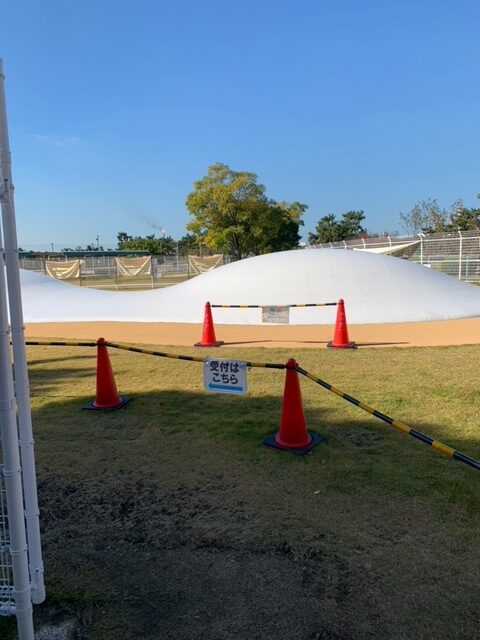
456, 254
6, 573
102, 271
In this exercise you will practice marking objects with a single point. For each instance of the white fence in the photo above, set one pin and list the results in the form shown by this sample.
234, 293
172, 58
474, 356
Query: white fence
102, 271
7, 603
456, 254
104, 266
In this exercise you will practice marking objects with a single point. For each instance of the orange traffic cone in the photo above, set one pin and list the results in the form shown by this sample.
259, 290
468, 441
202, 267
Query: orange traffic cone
292, 434
107, 395
340, 337
208, 334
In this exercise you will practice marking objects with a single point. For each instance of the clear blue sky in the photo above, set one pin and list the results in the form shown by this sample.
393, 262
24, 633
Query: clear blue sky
116, 107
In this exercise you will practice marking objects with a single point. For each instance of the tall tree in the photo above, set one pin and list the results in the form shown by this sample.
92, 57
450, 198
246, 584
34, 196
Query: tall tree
156, 246
232, 214
466, 219
426, 216
351, 224
189, 243
329, 229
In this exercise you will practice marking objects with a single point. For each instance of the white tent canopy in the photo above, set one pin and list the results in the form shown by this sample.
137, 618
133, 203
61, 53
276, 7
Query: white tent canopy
389, 249
376, 289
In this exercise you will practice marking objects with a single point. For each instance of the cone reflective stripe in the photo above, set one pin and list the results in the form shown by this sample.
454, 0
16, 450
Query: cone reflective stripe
208, 332
340, 336
292, 434
107, 395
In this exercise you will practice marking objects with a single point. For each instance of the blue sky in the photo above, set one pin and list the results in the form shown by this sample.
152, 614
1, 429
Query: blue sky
115, 108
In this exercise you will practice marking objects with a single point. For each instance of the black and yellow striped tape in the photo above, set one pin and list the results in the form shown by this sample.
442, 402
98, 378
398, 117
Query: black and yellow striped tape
261, 306
60, 343
150, 352
163, 354
401, 426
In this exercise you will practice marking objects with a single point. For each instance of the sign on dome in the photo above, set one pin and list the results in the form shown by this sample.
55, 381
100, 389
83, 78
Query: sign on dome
276, 315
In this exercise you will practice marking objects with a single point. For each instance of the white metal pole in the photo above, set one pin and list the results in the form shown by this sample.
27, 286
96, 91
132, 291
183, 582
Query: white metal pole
12, 475
22, 390
460, 255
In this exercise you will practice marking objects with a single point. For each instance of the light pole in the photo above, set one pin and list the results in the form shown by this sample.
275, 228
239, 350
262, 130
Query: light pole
421, 236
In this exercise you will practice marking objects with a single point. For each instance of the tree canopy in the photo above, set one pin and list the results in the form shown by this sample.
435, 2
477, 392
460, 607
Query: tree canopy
329, 229
156, 246
232, 214
428, 217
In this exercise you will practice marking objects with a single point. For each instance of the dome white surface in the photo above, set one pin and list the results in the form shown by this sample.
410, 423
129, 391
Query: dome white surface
375, 288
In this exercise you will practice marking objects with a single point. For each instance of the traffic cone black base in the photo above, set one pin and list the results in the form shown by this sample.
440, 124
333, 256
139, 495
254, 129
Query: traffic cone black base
270, 441
93, 406
348, 345
217, 343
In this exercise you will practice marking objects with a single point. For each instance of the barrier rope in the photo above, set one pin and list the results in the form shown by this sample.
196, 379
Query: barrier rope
397, 424
60, 343
401, 426
163, 354
126, 347
261, 306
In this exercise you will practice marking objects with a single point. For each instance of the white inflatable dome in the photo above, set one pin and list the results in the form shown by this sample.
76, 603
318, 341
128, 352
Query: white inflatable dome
375, 288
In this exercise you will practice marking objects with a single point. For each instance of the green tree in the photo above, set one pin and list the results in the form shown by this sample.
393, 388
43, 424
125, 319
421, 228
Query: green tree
426, 216
277, 227
232, 214
156, 246
329, 229
429, 217
466, 219
351, 225
189, 243
123, 237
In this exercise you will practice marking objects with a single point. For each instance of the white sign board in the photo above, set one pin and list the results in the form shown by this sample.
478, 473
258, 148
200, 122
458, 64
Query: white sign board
276, 315
225, 376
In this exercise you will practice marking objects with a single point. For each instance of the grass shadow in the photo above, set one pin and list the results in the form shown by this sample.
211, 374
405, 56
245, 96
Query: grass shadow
154, 514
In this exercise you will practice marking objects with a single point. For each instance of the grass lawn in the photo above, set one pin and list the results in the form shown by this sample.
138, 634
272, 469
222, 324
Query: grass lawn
168, 519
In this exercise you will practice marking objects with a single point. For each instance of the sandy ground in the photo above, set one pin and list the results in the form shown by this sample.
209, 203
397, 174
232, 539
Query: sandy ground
447, 332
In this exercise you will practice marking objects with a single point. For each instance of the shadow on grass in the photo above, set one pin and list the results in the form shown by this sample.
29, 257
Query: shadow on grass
240, 423
168, 518
45, 381
36, 362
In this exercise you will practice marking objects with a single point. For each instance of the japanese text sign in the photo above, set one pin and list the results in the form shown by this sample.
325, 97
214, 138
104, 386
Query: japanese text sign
225, 376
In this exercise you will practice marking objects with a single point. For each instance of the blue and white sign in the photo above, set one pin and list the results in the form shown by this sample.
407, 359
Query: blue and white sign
225, 376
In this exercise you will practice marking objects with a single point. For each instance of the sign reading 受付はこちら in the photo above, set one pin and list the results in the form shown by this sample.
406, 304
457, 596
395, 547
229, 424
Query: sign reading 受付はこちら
225, 376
